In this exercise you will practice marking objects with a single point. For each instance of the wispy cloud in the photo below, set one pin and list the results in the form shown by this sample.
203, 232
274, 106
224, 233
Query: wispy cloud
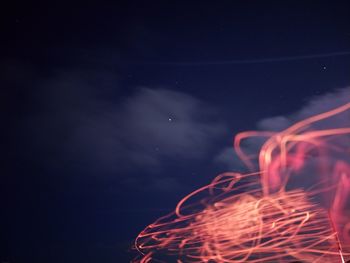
316, 105
146, 127
78, 125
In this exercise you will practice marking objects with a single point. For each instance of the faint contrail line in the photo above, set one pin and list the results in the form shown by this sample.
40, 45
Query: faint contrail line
249, 61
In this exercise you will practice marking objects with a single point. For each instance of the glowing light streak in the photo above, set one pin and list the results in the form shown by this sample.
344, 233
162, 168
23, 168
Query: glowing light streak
253, 217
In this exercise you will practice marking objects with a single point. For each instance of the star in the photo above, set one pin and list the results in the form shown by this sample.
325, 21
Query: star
170, 119
324, 67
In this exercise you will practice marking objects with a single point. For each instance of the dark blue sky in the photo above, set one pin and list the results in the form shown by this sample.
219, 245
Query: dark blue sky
112, 111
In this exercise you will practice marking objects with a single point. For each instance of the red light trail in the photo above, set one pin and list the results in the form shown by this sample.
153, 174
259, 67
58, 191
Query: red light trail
261, 216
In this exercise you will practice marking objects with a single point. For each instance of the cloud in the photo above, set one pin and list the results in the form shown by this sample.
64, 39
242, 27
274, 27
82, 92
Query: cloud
146, 127
78, 124
316, 105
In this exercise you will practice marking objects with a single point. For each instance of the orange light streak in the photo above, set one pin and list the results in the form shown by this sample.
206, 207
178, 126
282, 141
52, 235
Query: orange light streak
255, 217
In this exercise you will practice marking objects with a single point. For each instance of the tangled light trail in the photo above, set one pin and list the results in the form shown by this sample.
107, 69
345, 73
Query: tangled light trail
261, 216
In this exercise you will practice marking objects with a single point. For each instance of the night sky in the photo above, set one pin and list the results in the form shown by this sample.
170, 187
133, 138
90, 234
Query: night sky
113, 111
